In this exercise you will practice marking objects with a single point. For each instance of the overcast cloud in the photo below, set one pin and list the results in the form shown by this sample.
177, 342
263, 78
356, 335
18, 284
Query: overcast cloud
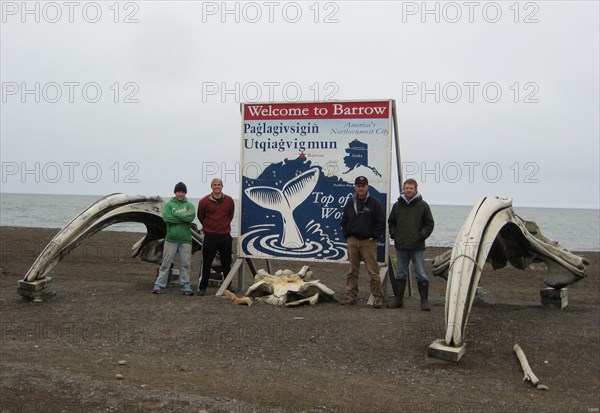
493, 98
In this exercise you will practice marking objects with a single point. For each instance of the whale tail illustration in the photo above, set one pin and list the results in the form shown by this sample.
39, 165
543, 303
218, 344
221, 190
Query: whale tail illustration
285, 201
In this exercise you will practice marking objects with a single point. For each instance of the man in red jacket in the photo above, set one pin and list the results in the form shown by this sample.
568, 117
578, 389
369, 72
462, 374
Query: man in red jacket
215, 212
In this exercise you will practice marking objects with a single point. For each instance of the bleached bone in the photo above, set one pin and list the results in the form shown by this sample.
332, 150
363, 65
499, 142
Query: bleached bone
305, 273
288, 289
494, 233
528, 373
111, 209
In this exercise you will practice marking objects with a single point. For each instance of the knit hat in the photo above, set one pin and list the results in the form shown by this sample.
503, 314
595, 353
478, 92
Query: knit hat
180, 187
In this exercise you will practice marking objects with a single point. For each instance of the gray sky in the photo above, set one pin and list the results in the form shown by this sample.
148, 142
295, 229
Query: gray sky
493, 98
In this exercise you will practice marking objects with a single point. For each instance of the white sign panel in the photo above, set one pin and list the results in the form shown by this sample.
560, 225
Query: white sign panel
299, 162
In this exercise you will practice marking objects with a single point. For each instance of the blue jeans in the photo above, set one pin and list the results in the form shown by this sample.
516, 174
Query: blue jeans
170, 251
403, 257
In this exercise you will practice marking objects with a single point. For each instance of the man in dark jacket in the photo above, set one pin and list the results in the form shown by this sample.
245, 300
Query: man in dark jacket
363, 222
411, 223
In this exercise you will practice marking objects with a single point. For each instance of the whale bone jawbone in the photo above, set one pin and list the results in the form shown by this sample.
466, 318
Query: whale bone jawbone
494, 233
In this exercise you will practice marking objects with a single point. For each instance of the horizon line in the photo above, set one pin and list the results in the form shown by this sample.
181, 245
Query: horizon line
237, 199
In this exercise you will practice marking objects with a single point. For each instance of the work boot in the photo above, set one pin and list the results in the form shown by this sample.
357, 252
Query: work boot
423, 292
378, 303
398, 302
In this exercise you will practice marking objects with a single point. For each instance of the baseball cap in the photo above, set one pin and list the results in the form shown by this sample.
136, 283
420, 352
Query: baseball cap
361, 180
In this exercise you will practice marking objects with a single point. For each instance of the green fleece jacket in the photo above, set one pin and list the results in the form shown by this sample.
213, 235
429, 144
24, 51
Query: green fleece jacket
178, 215
410, 223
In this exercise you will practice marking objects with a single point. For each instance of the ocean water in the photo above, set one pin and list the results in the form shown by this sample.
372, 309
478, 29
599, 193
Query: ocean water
575, 229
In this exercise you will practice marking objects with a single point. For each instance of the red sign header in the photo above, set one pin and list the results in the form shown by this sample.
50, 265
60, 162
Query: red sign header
322, 110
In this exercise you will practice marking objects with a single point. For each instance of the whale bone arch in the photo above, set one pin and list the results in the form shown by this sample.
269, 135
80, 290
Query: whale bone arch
109, 210
494, 233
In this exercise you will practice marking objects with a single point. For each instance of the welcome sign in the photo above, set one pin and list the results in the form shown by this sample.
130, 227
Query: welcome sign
299, 162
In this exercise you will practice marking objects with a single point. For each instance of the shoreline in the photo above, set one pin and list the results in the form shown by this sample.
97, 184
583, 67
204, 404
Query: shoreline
98, 196
428, 247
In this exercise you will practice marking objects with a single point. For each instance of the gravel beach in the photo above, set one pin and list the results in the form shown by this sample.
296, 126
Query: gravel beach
104, 343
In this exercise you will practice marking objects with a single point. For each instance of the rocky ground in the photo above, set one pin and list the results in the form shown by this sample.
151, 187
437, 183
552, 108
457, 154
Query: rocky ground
105, 344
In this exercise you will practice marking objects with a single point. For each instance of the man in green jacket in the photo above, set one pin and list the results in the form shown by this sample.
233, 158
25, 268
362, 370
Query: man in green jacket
178, 214
410, 224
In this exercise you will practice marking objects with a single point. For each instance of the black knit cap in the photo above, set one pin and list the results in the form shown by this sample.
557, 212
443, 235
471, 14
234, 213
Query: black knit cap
180, 187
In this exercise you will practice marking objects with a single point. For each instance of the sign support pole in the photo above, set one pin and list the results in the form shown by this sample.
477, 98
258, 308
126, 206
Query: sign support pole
388, 271
236, 268
393, 281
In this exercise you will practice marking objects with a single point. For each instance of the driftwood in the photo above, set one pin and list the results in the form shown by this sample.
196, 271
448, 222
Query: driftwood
239, 301
527, 369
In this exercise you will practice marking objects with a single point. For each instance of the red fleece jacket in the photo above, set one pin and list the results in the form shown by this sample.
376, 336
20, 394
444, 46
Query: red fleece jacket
214, 216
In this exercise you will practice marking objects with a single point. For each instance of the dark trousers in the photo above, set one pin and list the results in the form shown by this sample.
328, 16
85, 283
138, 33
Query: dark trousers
211, 245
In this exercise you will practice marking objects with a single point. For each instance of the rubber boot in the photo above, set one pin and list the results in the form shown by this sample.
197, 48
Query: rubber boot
398, 301
424, 292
